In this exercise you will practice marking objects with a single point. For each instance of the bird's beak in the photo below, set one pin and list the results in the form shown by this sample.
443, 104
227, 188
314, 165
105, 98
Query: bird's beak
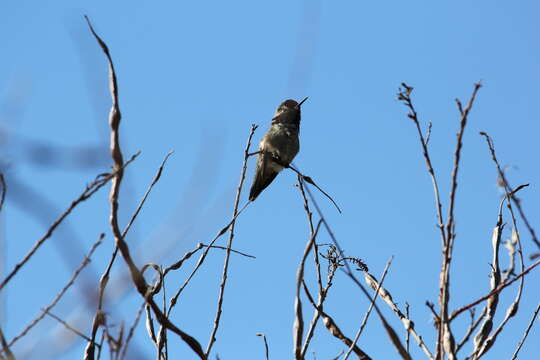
301, 102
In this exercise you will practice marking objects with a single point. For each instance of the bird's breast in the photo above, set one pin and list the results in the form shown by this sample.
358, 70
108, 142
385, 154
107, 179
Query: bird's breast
281, 140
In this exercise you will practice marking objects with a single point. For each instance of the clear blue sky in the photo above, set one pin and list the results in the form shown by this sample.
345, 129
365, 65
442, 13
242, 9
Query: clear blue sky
193, 77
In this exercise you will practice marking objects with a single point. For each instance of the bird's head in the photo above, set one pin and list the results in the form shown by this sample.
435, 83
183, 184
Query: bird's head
288, 111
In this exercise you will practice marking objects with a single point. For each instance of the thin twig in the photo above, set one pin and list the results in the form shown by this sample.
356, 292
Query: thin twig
499, 288
4, 190
5, 347
428, 132
309, 216
366, 316
265, 345
472, 327
217, 318
67, 326
526, 333
298, 326
333, 264
347, 269
513, 308
445, 332
508, 189
104, 280
332, 327
98, 183
436, 319
232, 250
132, 330
309, 180
136, 276
175, 266
322, 291
105, 277
408, 334
404, 95
60, 294
408, 324
495, 280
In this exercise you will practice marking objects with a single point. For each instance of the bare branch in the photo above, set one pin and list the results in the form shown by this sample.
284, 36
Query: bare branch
495, 278
132, 330
407, 323
4, 190
136, 276
512, 309
5, 347
90, 190
60, 294
229, 244
499, 288
322, 291
474, 324
265, 345
526, 333
309, 180
366, 316
232, 250
67, 326
446, 338
508, 189
332, 327
404, 95
298, 327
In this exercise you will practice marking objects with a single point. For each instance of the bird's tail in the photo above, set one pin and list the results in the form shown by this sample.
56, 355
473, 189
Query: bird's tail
264, 175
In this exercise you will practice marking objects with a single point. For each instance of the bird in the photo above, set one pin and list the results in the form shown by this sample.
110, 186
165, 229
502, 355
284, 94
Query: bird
278, 147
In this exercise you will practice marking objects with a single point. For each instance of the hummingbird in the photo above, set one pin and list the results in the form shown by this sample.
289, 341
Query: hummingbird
278, 146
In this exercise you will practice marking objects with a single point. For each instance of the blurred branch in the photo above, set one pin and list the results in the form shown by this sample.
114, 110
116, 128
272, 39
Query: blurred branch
5, 347
58, 296
4, 190
67, 326
131, 330
90, 190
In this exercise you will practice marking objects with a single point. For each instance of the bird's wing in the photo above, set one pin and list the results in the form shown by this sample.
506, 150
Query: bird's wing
266, 173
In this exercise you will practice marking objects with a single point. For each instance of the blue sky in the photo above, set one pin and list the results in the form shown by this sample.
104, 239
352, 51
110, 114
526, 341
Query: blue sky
193, 77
